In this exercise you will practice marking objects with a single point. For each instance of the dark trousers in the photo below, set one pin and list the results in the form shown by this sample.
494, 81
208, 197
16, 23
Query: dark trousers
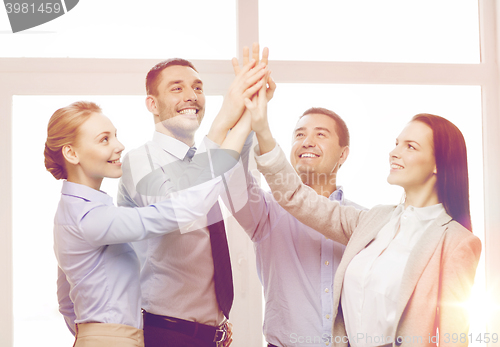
158, 337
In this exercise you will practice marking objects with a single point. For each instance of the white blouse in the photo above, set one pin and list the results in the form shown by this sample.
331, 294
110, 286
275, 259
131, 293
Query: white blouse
373, 277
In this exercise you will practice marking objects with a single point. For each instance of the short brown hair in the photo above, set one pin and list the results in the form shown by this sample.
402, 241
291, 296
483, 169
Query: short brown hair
341, 127
152, 80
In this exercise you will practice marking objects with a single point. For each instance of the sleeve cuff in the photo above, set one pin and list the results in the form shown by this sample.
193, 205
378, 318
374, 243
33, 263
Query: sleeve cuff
267, 158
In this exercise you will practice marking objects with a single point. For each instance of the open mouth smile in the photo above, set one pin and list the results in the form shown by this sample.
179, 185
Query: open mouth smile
189, 111
308, 155
395, 166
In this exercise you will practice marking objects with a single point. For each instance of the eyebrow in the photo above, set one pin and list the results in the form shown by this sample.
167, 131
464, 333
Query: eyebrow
103, 133
316, 128
198, 81
408, 141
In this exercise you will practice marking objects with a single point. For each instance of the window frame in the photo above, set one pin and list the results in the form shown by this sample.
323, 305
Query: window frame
66, 76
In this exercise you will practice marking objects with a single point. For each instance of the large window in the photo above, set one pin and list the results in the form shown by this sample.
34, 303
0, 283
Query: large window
374, 63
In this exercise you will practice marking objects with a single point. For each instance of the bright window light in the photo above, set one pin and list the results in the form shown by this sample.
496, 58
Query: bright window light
196, 29
411, 31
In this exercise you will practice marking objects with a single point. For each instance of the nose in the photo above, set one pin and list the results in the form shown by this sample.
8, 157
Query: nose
309, 141
119, 147
190, 95
394, 153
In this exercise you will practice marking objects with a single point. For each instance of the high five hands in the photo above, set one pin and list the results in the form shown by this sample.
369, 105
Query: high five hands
255, 57
248, 81
253, 85
255, 114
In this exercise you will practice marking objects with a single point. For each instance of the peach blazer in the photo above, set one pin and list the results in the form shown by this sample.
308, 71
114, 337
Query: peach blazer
437, 279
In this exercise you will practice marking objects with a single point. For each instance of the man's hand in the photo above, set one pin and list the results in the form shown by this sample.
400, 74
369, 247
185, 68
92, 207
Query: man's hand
257, 108
248, 81
255, 56
229, 338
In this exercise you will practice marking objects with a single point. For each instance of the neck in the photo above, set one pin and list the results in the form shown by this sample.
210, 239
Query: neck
421, 197
80, 178
322, 185
188, 139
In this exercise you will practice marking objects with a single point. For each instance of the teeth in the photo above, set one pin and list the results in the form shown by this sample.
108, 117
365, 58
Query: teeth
188, 111
308, 155
115, 161
396, 166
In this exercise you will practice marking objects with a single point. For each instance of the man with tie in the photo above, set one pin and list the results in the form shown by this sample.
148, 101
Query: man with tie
186, 276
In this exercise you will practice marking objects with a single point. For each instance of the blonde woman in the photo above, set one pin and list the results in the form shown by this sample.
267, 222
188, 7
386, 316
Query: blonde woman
98, 285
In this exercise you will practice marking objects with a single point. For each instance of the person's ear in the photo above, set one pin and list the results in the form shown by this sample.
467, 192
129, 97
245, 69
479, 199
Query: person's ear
70, 155
151, 104
343, 155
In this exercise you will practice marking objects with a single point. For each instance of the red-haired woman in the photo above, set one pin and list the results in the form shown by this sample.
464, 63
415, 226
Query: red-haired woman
408, 269
98, 285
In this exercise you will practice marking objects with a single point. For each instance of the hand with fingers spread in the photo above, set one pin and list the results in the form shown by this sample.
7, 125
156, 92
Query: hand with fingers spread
246, 83
255, 56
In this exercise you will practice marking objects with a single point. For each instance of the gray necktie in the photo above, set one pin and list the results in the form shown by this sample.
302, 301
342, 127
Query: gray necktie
190, 153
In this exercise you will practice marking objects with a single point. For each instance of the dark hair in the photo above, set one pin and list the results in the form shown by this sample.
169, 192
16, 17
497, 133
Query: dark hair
61, 131
450, 154
341, 127
152, 76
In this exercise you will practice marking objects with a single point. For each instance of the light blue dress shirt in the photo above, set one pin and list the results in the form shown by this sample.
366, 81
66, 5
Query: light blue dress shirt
98, 269
296, 266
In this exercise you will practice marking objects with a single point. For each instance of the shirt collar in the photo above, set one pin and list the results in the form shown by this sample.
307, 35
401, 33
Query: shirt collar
171, 145
428, 212
422, 213
83, 192
338, 195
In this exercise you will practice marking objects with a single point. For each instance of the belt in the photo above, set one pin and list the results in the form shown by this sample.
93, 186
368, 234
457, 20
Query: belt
206, 333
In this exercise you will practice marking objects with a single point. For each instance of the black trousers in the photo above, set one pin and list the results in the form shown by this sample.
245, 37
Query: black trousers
159, 337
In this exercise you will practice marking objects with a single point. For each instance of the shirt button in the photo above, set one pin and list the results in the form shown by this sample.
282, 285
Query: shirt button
327, 262
327, 316
326, 290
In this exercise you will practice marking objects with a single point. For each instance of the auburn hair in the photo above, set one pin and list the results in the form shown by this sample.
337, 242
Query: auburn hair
61, 131
450, 154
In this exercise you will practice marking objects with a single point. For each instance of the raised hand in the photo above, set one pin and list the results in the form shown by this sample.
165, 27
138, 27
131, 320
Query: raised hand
246, 83
257, 108
255, 56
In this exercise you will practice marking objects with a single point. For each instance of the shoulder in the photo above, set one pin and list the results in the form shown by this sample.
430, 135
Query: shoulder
72, 209
375, 217
457, 236
348, 202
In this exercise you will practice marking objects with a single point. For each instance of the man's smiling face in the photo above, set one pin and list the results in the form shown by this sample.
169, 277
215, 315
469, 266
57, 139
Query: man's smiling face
180, 101
315, 146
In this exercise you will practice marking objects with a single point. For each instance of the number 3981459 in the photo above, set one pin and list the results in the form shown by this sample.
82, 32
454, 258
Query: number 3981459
47, 7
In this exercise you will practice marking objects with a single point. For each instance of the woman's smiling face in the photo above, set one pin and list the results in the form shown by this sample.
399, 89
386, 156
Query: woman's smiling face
413, 165
98, 149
